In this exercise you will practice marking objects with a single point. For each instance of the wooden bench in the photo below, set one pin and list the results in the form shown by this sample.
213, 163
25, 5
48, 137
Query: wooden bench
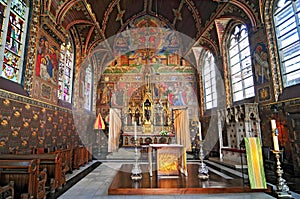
67, 160
7, 191
80, 156
52, 162
28, 181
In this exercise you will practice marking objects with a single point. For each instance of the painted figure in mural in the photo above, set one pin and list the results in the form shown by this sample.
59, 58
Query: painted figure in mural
54, 54
105, 98
113, 99
43, 69
40, 54
260, 62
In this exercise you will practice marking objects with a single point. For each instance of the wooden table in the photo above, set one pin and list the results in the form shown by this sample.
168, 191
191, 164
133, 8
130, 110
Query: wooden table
170, 159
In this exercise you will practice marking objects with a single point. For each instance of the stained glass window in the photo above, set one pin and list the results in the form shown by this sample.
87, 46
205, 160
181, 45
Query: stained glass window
65, 72
209, 81
240, 66
88, 88
13, 16
287, 29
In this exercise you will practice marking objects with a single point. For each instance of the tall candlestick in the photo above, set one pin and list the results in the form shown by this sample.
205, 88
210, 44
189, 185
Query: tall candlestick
200, 134
274, 134
135, 131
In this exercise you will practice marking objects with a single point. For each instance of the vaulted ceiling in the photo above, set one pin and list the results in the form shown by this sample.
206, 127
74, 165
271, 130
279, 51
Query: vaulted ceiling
93, 21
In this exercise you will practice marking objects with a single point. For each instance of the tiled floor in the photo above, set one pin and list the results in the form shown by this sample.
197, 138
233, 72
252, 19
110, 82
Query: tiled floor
96, 183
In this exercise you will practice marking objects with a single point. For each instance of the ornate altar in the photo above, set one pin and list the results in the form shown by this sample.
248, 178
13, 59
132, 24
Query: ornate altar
170, 159
151, 116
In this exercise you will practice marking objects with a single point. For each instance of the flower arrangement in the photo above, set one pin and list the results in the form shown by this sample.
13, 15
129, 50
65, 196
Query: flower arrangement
163, 132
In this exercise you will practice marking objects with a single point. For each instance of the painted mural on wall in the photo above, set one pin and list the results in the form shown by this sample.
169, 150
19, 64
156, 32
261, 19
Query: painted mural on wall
261, 63
177, 90
47, 60
261, 67
45, 81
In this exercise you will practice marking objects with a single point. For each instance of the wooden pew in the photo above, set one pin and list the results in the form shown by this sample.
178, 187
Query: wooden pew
52, 162
80, 156
7, 191
67, 159
28, 183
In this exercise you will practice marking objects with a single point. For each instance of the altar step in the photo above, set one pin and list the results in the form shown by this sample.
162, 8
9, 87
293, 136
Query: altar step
226, 170
127, 153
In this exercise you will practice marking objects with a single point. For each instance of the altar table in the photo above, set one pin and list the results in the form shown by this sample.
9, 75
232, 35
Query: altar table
170, 159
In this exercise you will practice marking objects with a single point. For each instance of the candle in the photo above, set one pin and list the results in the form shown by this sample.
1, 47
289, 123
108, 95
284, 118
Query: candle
275, 141
135, 130
200, 134
273, 125
275, 137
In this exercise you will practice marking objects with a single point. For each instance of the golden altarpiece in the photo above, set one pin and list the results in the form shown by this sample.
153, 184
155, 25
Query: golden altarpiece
152, 116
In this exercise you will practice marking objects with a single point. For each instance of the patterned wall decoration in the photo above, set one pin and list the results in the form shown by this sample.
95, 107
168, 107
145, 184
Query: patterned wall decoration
26, 124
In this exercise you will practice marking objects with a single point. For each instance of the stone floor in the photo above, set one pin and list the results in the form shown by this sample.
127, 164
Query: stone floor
96, 182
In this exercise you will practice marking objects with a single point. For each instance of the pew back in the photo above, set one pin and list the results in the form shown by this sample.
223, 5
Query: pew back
51, 162
23, 172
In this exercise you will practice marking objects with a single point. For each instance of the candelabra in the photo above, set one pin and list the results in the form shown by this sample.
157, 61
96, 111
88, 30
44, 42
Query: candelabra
136, 172
203, 170
282, 188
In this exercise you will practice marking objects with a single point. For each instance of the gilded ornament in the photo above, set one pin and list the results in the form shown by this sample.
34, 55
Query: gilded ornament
6, 102
17, 114
35, 116
2, 143
27, 106
4, 122
26, 124
49, 119
33, 133
15, 133
24, 142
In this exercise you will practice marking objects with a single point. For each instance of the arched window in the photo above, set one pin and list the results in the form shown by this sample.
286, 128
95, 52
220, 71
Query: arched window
88, 88
240, 68
209, 81
287, 29
65, 75
13, 24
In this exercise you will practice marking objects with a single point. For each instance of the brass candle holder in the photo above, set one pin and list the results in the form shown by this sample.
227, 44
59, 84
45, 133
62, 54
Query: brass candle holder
136, 172
282, 187
203, 170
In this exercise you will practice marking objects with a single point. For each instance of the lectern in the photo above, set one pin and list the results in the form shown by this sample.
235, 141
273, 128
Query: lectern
170, 159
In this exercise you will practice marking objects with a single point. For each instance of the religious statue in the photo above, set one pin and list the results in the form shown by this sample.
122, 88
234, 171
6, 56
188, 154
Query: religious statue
137, 116
147, 114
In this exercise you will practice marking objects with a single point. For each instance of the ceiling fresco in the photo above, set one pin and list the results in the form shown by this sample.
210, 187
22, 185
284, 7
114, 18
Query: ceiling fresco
95, 21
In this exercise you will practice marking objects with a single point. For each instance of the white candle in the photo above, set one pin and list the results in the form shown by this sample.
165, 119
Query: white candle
134, 130
275, 137
275, 141
273, 125
200, 134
